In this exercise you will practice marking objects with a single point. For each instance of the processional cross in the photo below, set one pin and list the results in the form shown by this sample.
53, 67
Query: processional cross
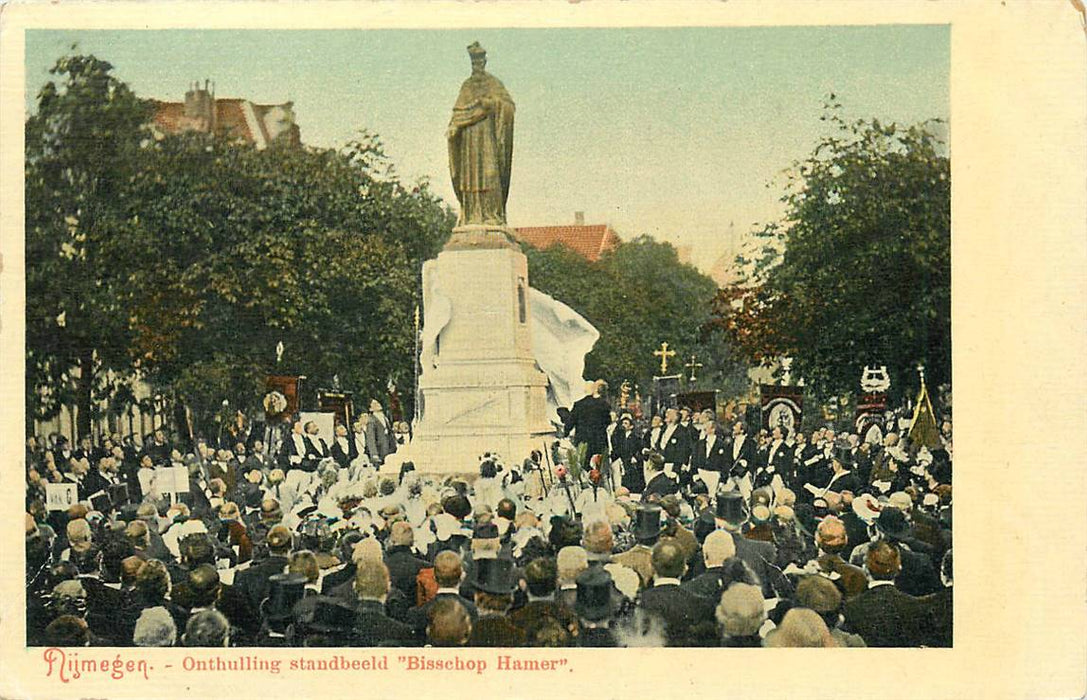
664, 353
693, 365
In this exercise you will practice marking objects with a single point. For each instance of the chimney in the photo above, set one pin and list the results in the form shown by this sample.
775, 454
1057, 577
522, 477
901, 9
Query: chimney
579, 218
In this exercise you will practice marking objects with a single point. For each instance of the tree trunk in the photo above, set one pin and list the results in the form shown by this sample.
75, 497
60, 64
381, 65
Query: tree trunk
83, 394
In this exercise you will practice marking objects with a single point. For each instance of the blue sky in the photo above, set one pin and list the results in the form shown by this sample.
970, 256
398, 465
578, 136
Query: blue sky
674, 132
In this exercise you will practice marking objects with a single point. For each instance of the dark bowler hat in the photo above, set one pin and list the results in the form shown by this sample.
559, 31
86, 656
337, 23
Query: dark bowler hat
284, 591
892, 523
495, 576
647, 523
594, 594
730, 507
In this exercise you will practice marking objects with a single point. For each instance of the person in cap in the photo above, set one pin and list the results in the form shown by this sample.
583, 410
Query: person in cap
647, 531
819, 593
373, 627
740, 613
595, 608
494, 585
542, 612
883, 615
687, 618
731, 515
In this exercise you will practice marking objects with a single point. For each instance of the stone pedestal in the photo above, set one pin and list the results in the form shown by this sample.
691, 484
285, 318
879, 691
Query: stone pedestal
485, 392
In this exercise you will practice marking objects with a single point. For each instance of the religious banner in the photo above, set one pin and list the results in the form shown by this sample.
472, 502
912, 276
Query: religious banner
782, 406
61, 496
339, 403
868, 420
283, 397
665, 390
698, 401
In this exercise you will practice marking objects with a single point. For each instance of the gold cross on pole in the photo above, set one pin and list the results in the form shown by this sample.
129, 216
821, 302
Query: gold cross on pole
664, 353
693, 365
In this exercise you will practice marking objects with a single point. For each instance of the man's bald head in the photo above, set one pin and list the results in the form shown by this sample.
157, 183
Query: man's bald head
831, 535
718, 547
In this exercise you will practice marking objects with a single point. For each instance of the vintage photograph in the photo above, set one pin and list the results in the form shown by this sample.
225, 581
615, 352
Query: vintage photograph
487, 337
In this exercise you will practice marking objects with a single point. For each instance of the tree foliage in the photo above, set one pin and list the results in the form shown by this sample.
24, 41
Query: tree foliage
859, 271
638, 295
213, 252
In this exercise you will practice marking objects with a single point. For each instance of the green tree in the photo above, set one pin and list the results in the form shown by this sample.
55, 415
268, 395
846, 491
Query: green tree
79, 151
638, 295
859, 271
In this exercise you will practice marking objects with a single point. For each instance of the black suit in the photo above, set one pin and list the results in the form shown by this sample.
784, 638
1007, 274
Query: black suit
342, 457
419, 617
403, 568
373, 628
661, 484
707, 584
778, 461
675, 448
253, 582
760, 557
718, 460
589, 420
628, 448
688, 618
886, 617
743, 460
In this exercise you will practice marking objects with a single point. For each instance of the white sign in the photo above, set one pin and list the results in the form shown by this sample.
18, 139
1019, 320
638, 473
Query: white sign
172, 480
61, 496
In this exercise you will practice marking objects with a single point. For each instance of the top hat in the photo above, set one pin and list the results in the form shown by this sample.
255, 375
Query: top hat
730, 507
647, 523
284, 590
892, 523
495, 576
594, 600
329, 615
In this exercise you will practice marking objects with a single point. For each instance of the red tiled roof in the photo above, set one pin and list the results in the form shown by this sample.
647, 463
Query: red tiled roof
587, 241
168, 116
230, 119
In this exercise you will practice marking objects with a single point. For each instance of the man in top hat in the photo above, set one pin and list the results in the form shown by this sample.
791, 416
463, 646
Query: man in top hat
647, 530
380, 440
595, 606
494, 584
883, 615
277, 610
253, 581
918, 576
759, 556
688, 618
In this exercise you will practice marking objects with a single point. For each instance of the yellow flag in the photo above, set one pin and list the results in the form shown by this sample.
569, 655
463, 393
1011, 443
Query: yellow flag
923, 430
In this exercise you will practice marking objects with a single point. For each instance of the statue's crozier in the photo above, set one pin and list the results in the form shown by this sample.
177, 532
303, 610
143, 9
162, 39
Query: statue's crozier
480, 137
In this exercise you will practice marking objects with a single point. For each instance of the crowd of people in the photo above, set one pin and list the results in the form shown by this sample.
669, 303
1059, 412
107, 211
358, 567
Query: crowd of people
671, 533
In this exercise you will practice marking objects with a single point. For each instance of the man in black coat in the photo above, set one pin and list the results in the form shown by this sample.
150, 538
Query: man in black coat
626, 445
675, 444
448, 573
883, 615
759, 556
688, 618
589, 419
778, 461
253, 581
403, 565
373, 628
344, 450
658, 482
710, 458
